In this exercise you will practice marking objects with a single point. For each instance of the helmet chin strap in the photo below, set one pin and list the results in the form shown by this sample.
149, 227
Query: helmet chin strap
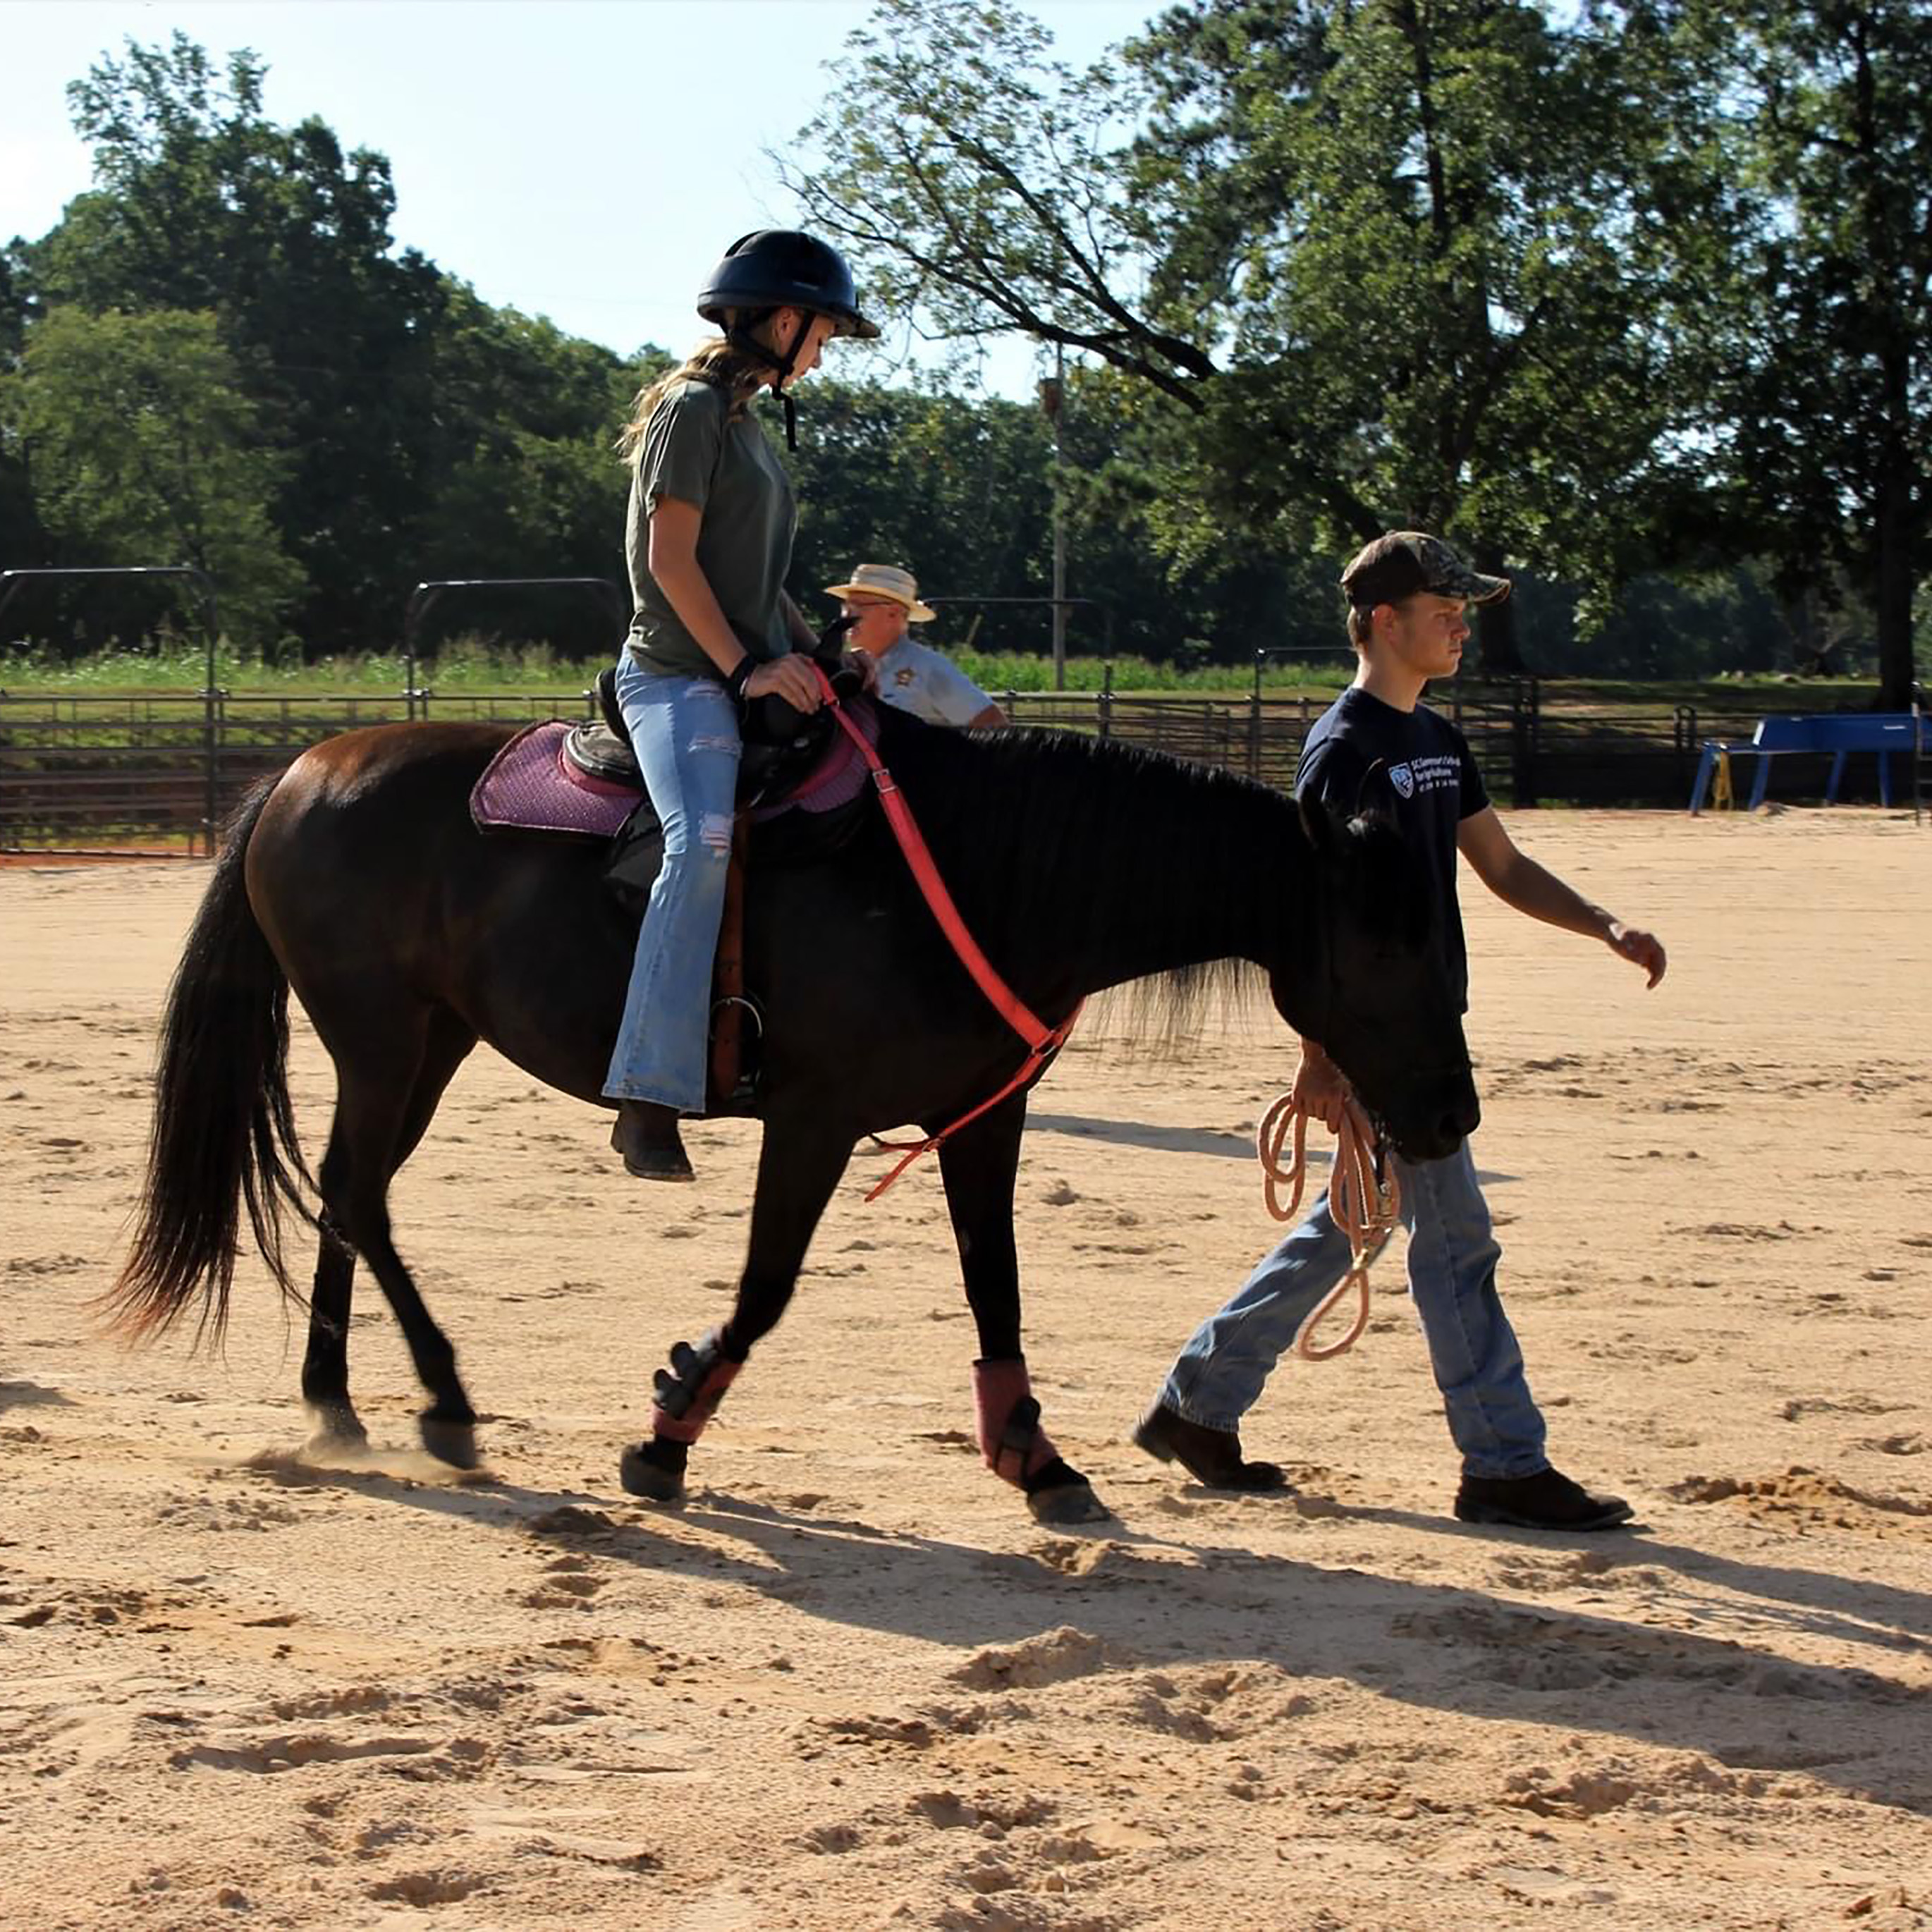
741, 339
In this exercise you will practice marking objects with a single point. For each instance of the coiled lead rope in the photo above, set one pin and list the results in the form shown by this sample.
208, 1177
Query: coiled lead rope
1364, 1199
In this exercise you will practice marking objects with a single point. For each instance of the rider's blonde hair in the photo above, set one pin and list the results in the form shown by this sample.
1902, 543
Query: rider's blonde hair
714, 361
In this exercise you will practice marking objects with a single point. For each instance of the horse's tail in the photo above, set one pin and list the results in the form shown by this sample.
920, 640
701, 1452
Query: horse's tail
223, 1133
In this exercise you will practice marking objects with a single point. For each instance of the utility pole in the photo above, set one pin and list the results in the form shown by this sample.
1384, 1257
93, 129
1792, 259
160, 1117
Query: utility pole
1052, 401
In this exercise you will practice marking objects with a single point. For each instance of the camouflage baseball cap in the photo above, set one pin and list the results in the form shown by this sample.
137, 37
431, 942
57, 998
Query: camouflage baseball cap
1405, 562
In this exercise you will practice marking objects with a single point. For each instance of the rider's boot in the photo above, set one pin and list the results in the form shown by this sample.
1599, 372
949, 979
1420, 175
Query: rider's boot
646, 1135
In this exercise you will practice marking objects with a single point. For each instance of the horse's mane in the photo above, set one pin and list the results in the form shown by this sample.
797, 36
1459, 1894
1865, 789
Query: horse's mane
1040, 824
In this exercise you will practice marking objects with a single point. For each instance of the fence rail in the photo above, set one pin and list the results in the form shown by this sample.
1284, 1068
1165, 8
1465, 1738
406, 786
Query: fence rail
165, 768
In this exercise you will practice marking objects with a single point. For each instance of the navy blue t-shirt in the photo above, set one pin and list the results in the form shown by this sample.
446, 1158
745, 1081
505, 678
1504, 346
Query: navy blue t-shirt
1428, 783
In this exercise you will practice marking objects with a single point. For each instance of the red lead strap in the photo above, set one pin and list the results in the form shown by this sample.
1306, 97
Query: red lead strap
1042, 1042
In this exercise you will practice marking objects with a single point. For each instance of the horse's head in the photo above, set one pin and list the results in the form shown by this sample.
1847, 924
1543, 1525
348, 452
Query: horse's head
1373, 989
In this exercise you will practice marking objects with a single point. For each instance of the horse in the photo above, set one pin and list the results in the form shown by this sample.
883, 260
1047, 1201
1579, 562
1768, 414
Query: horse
357, 880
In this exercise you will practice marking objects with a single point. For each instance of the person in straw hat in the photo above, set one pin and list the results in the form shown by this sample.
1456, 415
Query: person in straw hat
882, 600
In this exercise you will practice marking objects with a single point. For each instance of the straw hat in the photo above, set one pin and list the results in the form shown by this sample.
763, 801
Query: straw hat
884, 579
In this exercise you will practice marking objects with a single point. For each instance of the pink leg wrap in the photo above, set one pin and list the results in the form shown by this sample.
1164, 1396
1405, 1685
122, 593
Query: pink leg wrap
716, 1378
997, 1387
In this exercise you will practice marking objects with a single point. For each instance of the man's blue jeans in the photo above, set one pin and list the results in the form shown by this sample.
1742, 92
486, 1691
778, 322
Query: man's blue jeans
685, 732
1452, 1277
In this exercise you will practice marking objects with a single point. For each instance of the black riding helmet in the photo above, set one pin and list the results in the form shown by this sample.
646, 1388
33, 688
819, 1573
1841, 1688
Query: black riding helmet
780, 268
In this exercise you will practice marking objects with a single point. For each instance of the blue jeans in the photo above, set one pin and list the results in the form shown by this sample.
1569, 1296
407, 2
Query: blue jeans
1452, 1278
685, 732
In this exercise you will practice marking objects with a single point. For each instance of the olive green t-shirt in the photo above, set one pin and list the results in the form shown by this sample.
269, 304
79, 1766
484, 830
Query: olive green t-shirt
693, 451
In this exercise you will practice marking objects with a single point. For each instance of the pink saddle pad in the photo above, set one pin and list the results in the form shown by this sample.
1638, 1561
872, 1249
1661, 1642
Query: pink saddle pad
531, 785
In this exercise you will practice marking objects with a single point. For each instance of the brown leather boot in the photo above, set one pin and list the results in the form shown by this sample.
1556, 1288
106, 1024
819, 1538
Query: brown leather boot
646, 1135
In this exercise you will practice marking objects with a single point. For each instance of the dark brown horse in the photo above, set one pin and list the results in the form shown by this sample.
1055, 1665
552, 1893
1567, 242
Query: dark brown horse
359, 880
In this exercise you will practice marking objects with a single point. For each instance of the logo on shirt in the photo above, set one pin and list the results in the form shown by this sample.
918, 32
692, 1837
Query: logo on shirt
1403, 779
904, 675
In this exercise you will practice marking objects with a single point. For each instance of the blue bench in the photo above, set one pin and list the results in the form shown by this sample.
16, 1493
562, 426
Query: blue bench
1837, 734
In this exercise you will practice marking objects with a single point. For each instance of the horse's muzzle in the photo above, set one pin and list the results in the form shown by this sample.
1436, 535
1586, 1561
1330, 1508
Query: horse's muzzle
1447, 1112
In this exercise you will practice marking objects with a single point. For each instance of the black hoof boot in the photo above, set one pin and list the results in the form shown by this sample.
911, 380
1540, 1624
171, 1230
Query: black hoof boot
452, 1442
646, 1135
338, 1432
654, 1470
1059, 1493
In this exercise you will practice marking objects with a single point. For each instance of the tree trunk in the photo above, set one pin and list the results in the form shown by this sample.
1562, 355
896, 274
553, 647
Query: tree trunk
1498, 652
1892, 587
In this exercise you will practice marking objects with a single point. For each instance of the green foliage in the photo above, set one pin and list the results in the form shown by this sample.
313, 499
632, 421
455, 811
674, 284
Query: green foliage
1827, 130
141, 447
423, 433
1631, 299
955, 492
470, 663
1372, 266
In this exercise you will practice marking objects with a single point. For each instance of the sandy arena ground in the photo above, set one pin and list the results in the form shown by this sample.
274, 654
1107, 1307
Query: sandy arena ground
851, 1684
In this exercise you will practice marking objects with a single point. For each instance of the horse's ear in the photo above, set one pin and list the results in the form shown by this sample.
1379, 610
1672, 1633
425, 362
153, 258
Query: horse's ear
1374, 781
1325, 833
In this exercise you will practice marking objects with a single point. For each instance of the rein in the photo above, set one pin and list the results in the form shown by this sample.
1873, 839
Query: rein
1042, 1041
1363, 1197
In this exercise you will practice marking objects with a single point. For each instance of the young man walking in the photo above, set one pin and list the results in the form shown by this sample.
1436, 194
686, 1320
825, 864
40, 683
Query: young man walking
1379, 748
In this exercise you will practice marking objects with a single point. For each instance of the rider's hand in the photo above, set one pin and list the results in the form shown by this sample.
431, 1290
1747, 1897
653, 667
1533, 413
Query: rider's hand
865, 665
1322, 1089
1640, 948
791, 678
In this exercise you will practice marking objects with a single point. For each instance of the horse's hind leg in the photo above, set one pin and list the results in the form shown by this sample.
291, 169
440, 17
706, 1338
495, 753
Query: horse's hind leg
798, 1167
325, 1375
980, 1164
384, 1103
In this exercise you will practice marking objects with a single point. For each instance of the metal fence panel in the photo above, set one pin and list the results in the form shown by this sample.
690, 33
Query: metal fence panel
77, 769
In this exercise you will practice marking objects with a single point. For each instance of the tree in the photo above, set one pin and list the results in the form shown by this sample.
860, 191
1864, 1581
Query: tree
141, 448
957, 492
1381, 264
1831, 455
520, 477
427, 434
201, 203
23, 539
961, 492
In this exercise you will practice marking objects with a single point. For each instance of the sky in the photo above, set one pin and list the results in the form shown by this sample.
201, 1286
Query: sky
585, 160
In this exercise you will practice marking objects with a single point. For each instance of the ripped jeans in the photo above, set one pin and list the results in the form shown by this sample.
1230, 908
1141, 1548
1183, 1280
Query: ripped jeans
685, 732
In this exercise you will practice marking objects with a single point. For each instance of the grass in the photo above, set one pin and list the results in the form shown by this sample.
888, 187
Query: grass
473, 665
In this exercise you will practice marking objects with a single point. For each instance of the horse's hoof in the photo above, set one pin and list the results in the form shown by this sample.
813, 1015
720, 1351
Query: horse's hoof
452, 1442
1068, 1502
338, 1432
643, 1472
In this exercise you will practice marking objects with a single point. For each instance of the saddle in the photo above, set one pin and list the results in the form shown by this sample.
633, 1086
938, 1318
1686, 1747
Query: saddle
777, 765
797, 776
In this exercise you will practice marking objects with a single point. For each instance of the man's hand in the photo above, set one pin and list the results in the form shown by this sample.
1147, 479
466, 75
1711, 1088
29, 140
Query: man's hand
1640, 948
1321, 1089
866, 665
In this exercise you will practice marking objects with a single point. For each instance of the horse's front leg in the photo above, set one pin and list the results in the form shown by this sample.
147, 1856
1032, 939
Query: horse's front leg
980, 1164
799, 1166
